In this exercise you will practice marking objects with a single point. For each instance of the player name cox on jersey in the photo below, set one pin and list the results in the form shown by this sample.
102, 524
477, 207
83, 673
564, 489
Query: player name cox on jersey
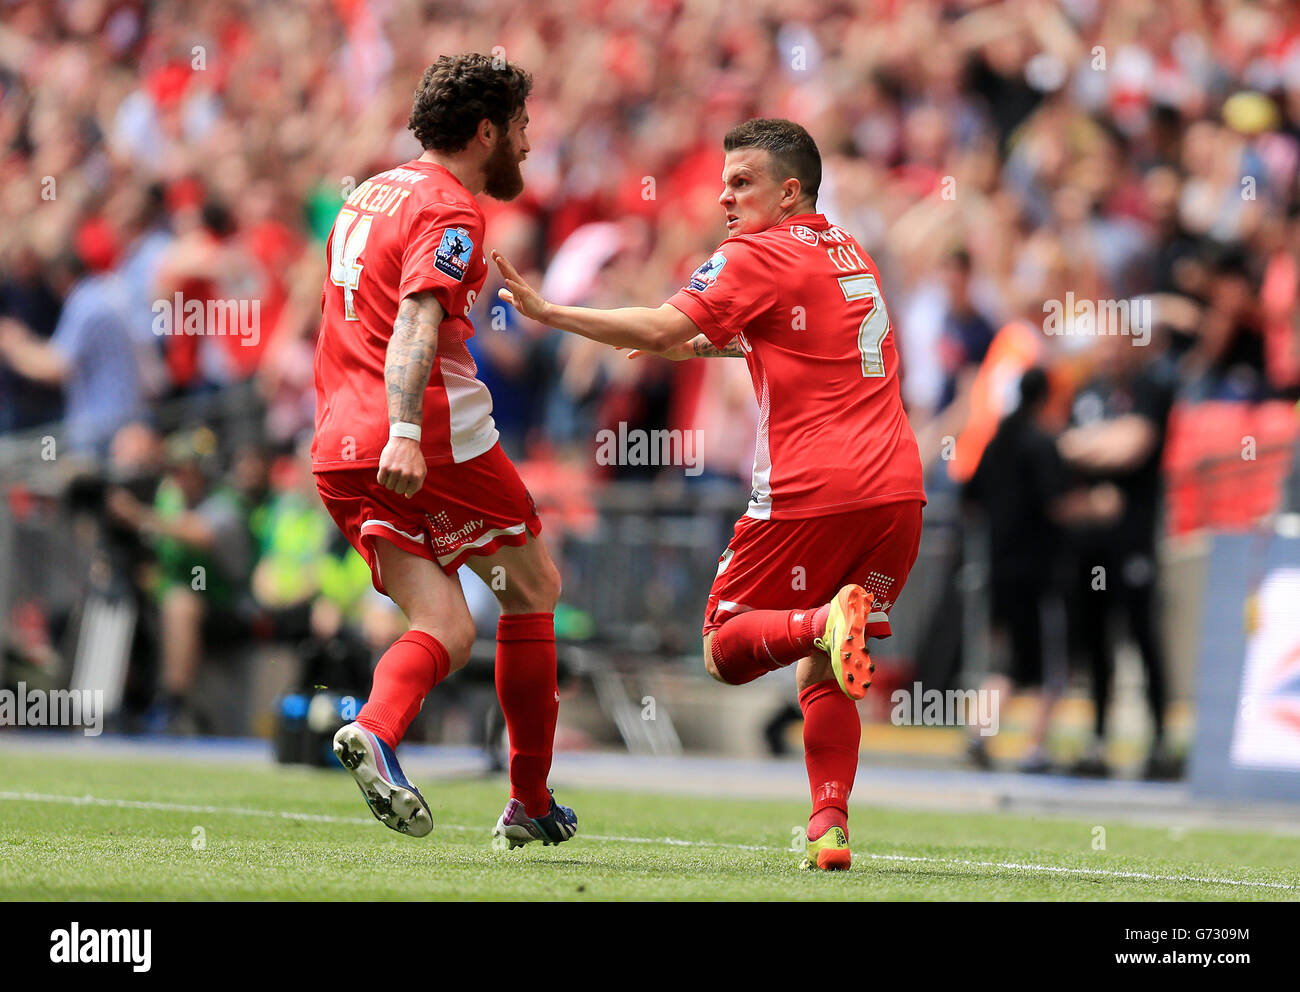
452, 257
844, 255
707, 274
808, 236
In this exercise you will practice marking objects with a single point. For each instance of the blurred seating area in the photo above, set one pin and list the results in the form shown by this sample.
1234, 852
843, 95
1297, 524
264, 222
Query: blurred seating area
1227, 464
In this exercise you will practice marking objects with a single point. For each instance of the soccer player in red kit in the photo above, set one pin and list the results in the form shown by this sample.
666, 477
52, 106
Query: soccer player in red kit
834, 518
406, 455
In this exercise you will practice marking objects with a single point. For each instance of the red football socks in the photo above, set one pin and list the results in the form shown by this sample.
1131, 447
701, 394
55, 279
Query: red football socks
761, 641
414, 664
526, 686
831, 734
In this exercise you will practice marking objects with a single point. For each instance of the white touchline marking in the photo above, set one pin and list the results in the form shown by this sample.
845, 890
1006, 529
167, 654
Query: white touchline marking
1057, 869
39, 797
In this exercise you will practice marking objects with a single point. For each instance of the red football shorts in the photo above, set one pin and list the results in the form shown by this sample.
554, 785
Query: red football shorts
470, 508
801, 564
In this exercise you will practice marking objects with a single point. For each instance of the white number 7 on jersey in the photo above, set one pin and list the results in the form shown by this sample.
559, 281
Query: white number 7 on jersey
874, 326
345, 247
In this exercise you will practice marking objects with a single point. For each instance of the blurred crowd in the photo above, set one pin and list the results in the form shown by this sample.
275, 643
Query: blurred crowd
990, 156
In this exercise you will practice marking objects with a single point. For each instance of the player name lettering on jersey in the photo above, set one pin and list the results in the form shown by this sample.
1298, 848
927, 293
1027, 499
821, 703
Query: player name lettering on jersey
401, 175
380, 193
808, 236
378, 198
846, 258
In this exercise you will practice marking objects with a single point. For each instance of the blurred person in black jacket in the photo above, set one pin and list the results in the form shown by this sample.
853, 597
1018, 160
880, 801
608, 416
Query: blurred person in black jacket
1021, 484
28, 295
1117, 434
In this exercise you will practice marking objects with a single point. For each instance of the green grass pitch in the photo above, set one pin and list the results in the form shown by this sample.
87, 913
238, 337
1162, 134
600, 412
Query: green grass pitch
118, 829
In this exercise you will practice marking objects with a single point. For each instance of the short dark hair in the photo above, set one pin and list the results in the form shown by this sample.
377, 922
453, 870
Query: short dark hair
792, 149
458, 91
1034, 387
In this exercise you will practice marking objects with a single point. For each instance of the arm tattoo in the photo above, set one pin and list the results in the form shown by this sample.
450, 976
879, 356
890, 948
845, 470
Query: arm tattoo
411, 351
704, 348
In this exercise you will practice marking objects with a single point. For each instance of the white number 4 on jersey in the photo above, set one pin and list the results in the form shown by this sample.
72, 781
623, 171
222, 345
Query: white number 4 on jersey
348, 240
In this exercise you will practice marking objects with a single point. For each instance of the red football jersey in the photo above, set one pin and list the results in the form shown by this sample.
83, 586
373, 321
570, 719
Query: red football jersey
803, 301
409, 229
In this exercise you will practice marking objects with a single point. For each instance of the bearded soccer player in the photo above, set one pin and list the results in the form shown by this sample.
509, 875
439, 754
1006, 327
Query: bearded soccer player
834, 518
406, 455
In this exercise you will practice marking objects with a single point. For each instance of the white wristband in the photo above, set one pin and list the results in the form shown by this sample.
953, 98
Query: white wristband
403, 429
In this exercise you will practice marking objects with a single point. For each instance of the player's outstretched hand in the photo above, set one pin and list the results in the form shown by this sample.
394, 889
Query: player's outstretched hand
401, 466
518, 293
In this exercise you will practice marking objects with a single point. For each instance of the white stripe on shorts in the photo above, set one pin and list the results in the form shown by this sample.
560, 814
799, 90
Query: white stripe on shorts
482, 539
417, 538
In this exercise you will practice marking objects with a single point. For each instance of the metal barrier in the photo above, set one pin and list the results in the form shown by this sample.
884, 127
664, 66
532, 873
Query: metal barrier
39, 563
642, 575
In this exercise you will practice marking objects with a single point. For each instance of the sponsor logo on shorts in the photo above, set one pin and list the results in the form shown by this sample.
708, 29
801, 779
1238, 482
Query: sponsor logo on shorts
879, 585
444, 536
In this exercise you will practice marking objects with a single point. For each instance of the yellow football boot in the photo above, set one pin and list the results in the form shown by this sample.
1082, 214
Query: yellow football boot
845, 640
829, 852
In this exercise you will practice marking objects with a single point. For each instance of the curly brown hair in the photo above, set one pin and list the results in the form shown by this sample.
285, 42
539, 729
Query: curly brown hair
458, 91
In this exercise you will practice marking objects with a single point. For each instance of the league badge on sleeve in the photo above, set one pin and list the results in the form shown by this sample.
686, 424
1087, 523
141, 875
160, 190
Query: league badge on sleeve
707, 274
452, 257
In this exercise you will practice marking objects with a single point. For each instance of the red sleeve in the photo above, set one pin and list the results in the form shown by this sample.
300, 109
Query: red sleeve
727, 292
440, 251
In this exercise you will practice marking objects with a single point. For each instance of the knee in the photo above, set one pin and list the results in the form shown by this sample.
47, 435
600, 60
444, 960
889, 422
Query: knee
459, 643
537, 594
548, 593
710, 663
813, 669
457, 636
